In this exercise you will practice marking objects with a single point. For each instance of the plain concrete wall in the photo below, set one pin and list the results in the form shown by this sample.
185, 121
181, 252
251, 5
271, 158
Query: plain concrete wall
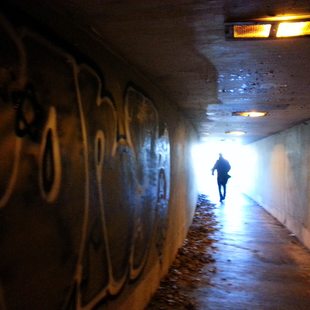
97, 187
278, 178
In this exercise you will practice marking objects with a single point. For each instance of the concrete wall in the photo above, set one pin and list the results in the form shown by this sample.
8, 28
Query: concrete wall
97, 189
278, 178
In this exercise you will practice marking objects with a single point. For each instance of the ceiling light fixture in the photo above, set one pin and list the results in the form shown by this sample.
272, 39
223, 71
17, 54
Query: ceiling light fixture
250, 113
293, 29
251, 31
235, 132
264, 28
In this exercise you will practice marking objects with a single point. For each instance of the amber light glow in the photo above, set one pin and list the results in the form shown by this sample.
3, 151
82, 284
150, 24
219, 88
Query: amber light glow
283, 26
293, 29
286, 18
250, 113
252, 31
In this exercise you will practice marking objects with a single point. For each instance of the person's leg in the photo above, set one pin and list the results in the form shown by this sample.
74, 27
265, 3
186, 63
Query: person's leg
224, 191
220, 191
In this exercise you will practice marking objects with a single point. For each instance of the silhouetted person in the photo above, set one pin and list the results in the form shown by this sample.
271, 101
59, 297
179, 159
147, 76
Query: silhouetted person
222, 166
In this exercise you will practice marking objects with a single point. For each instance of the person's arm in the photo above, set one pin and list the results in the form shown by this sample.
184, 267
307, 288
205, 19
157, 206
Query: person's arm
228, 166
214, 168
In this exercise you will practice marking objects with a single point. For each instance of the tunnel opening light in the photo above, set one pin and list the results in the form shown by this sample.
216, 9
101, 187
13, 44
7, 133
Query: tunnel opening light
250, 113
204, 155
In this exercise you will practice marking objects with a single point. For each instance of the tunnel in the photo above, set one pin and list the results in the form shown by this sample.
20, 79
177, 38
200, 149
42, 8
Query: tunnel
112, 115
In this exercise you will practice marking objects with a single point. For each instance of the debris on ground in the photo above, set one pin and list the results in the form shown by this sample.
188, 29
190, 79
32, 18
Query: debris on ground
186, 272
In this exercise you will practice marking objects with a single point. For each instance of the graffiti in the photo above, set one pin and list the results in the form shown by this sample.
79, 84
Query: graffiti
29, 116
84, 186
12, 77
163, 187
50, 161
142, 132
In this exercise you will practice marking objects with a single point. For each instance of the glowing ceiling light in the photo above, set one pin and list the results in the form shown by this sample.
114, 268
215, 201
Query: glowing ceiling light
235, 132
250, 113
252, 31
269, 28
293, 29
283, 18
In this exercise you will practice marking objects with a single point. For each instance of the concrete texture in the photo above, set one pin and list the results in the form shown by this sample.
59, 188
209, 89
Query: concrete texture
181, 46
278, 175
258, 263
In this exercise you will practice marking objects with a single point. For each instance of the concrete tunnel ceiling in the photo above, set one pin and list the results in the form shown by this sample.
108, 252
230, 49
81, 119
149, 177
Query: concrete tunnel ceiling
181, 47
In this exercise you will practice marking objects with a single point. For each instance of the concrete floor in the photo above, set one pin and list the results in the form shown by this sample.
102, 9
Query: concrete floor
258, 263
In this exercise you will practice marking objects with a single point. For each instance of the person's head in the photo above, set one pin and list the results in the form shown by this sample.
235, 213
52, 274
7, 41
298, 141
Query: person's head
220, 155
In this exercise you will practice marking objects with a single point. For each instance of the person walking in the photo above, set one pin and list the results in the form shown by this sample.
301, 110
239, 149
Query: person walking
222, 166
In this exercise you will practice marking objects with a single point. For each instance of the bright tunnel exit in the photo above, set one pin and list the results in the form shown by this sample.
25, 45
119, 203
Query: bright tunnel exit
241, 158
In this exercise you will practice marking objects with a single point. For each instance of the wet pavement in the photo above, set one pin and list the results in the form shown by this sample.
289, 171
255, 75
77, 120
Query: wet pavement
252, 262
258, 263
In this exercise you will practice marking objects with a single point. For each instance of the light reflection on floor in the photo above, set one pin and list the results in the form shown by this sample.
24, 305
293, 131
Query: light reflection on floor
231, 209
257, 265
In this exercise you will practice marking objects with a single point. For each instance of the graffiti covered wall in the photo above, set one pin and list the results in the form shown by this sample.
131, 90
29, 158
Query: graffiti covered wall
85, 179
